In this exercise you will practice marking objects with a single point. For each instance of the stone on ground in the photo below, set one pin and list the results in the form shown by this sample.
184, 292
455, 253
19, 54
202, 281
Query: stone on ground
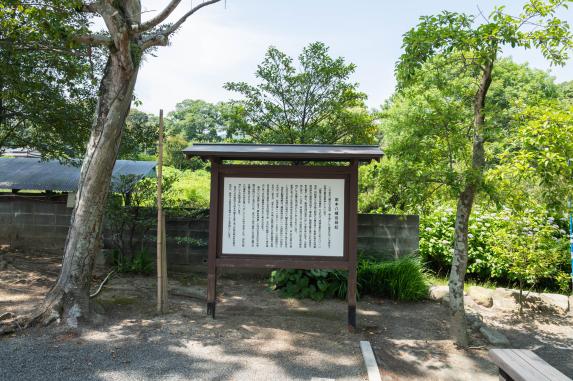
558, 302
475, 320
190, 292
494, 337
503, 298
440, 294
481, 295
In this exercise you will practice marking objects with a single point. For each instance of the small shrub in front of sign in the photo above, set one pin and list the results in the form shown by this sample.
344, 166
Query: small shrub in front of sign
403, 279
314, 284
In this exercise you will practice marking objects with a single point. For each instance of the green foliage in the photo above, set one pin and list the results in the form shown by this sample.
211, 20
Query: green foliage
173, 152
532, 250
315, 104
314, 284
197, 121
140, 263
188, 189
497, 240
194, 242
46, 81
536, 164
480, 42
426, 139
402, 279
140, 136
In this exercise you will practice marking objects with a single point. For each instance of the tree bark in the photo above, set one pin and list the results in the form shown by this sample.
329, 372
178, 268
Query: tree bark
68, 301
69, 298
466, 198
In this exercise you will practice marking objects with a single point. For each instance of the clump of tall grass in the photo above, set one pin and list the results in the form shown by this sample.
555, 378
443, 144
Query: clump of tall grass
403, 279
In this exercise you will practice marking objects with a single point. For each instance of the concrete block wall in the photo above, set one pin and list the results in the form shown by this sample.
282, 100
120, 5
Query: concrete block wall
35, 223
388, 236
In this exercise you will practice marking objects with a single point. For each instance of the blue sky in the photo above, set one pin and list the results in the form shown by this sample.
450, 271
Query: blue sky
220, 44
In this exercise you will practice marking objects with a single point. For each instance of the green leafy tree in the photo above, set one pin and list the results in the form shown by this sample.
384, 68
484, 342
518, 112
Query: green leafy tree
528, 247
478, 45
537, 165
46, 95
196, 120
140, 136
64, 25
174, 157
424, 128
315, 104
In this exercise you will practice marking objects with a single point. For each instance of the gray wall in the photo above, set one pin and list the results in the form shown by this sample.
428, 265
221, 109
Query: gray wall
42, 223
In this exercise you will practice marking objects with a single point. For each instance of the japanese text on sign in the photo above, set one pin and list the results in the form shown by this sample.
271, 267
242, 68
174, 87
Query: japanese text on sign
276, 216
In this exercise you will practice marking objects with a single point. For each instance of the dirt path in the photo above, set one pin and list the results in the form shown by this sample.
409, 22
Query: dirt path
256, 335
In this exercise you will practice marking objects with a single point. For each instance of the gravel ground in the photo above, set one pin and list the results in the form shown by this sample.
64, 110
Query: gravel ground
256, 335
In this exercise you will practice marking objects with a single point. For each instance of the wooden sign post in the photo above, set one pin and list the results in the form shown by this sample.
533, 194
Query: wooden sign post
283, 216
161, 241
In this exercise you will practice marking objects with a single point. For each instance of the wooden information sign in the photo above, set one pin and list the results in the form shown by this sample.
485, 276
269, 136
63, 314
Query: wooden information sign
283, 216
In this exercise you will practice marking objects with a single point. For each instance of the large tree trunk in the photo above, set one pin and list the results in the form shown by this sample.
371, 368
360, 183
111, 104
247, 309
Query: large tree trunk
128, 38
466, 198
69, 298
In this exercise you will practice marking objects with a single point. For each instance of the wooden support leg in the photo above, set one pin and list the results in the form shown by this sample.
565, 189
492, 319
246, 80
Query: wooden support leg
211, 292
351, 295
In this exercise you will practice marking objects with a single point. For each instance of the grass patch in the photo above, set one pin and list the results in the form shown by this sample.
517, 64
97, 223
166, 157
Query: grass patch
119, 301
443, 281
403, 279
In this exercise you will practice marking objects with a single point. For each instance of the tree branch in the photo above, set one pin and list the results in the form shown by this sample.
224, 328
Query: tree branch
89, 8
161, 38
160, 17
94, 39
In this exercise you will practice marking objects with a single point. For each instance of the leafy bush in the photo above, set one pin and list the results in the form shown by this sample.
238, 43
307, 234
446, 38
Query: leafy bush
140, 263
314, 284
402, 279
497, 239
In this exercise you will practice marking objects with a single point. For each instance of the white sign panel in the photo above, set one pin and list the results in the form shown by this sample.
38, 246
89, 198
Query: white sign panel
278, 216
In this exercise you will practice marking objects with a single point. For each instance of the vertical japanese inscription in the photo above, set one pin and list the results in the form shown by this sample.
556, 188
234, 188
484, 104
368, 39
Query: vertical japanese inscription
278, 216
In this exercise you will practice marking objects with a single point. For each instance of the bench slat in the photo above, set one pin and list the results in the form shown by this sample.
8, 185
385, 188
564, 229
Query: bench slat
549, 371
524, 365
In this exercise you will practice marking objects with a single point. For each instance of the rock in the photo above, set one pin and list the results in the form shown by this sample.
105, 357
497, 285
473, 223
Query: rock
503, 298
558, 302
494, 337
475, 321
190, 292
481, 295
440, 294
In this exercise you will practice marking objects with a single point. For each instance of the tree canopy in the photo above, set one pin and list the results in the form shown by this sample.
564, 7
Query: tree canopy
47, 97
315, 104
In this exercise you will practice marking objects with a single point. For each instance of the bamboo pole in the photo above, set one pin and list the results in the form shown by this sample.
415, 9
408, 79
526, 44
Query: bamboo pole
164, 284
161, 271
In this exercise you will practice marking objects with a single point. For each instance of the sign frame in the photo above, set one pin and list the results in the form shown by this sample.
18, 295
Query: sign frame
299, 156
216, 259
281, 172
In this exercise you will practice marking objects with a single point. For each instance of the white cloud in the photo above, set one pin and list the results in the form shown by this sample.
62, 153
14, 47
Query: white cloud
203, 55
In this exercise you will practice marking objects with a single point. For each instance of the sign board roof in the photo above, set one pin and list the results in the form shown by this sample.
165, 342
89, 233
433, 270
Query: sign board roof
310, 152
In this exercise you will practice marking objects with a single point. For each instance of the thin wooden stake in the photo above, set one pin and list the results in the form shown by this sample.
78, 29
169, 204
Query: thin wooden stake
164, 264
161, 262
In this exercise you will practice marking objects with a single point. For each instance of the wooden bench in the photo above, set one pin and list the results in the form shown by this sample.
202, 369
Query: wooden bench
524, 365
